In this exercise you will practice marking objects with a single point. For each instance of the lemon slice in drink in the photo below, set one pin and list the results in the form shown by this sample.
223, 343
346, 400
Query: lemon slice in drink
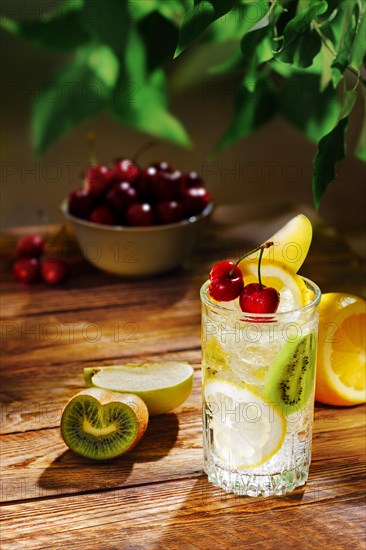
162, 386
292, 289
247, 431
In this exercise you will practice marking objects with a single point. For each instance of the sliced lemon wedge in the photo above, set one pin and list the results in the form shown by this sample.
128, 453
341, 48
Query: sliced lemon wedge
247, 431
291, 244
292, 289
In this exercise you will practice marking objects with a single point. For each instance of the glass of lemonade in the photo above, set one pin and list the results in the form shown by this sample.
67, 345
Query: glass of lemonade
258, 378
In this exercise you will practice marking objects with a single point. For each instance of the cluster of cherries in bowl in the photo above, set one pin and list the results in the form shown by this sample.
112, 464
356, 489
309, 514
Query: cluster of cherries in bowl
227, 284
30, 265
127, 195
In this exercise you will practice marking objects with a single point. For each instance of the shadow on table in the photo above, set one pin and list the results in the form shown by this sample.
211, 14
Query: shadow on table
209, 517
70, 471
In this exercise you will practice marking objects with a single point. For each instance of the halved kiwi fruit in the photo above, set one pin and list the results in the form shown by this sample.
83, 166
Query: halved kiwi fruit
101, 424
290, 379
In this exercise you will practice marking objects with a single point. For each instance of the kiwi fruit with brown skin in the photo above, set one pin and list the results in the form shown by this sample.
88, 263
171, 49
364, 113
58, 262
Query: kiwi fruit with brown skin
290, 380
102, 424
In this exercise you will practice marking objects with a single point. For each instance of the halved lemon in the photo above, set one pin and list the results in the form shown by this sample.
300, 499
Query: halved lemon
292, 289
341, 370
291, 244
246, 430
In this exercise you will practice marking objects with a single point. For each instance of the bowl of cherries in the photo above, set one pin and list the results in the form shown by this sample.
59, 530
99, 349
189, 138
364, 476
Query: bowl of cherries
132, 221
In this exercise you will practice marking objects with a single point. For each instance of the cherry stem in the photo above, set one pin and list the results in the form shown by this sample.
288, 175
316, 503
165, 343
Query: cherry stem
261, 248
91, 146
145, 147
259, 268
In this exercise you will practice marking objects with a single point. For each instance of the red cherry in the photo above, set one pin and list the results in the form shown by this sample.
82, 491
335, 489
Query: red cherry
140, 214
192, 179
54, 271
121, 196
195, 200
30, 246
170, 211
80, 203
167, 186
225, 286
97, 180
162, 166
146, 182
26, 270
126, 170
256, 298
103, 216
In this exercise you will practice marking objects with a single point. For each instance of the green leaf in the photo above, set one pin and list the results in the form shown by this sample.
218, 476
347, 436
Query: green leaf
198, 18
173, 10
360, 151
238, 21
158, 51
108, 22
253, 109
331, 150
312, 112
140, 99
141, 9
59, 29
193, 68
257, 49
77, 91
358, 51
301, 41
351, 20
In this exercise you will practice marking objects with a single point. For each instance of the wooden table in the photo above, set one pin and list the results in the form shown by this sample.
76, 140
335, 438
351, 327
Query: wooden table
157, 496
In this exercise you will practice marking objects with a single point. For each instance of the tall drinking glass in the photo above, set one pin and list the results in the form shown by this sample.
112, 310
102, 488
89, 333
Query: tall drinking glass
258, 378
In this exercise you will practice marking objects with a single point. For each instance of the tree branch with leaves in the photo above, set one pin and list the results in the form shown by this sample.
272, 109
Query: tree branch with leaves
303, 59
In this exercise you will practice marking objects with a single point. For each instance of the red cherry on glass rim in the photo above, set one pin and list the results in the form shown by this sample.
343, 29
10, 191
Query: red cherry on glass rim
54, 271
226, 281
30, 246
97, 180
103, 216
26, 270
126, 170
259, 299
140, 214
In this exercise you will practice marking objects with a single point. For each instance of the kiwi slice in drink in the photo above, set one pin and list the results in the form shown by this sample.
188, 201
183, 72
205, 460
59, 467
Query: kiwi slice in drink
290, 378
101, 424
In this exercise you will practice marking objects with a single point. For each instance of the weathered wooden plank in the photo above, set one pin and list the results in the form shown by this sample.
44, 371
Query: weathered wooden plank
37, 463
96, 289
191, 513
88, 335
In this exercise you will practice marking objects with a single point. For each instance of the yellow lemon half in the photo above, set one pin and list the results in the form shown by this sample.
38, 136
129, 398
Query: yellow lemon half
341, 371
